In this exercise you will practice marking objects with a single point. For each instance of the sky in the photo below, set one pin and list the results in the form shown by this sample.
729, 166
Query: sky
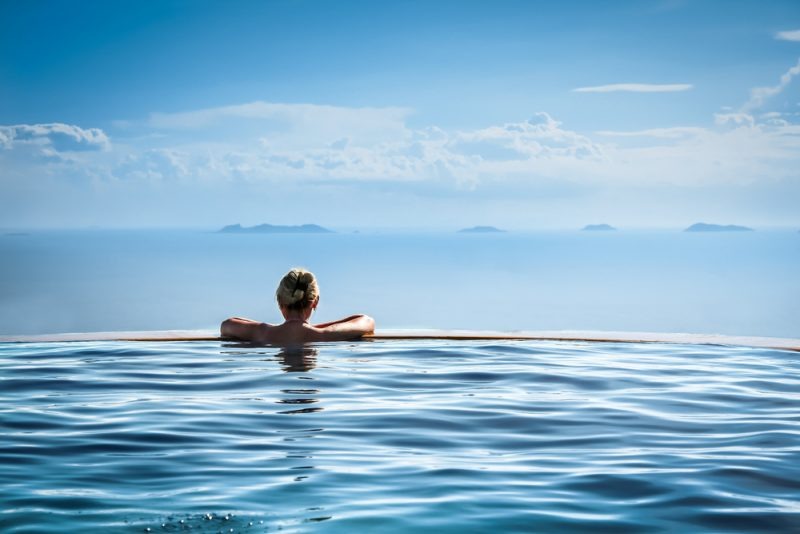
399, 114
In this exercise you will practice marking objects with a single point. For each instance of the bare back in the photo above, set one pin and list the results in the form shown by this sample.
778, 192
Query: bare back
296, 332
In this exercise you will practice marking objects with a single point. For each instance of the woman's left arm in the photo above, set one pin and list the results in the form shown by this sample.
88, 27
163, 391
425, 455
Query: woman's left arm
331, 323
352, 327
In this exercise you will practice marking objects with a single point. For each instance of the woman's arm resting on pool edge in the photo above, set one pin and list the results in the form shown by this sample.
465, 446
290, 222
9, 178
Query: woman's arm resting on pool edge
352, 327
346, 319
239, 328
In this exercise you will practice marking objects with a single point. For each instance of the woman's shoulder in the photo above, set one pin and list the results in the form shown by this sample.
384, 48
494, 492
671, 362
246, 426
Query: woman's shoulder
245, 329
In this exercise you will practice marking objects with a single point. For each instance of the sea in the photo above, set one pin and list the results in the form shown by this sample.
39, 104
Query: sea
737, 283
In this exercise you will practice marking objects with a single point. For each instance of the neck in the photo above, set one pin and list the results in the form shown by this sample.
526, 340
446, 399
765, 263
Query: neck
296, 316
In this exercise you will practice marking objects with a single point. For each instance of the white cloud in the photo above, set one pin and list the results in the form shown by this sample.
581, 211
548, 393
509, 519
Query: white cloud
759, 95
738, 119
635, 88
55, 136
791, 35
540, 137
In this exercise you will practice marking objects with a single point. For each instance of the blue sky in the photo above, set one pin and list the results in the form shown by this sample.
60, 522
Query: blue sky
357, 114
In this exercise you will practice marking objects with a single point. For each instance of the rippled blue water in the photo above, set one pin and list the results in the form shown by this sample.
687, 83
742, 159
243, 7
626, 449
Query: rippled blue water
396, 436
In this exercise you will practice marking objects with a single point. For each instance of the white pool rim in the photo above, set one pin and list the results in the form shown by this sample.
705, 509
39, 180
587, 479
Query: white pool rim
400, 334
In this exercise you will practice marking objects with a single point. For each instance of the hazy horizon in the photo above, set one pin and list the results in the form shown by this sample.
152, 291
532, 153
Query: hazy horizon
410, 229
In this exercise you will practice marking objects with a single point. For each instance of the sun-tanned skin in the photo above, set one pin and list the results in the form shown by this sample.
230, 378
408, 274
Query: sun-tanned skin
297, 329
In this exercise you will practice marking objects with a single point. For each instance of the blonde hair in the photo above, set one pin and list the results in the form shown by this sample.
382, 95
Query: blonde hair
297, 290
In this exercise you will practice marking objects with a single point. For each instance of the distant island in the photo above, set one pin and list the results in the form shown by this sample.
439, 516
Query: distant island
598, 228
275, 229
703, 227
480, 230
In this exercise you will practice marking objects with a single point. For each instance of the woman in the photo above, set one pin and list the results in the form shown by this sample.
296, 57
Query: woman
298, 297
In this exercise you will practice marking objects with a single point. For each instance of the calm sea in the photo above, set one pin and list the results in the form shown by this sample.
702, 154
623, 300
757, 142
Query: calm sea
661, 281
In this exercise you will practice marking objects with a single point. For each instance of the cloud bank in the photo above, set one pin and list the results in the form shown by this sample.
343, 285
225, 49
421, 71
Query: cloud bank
277, 143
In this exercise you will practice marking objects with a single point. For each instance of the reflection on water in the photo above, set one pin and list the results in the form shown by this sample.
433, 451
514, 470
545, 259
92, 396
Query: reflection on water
297, 400
293, 358
389, 436
299, 358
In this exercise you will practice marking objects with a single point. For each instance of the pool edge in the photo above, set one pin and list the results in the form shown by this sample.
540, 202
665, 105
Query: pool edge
455, 335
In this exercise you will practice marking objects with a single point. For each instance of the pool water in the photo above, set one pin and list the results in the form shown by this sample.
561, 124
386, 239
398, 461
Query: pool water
398, 436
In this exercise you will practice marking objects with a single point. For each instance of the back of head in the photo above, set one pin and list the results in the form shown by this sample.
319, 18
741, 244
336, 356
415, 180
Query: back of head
297, 290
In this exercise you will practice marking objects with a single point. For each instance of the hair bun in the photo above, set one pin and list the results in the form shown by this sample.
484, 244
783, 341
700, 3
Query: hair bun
298, 289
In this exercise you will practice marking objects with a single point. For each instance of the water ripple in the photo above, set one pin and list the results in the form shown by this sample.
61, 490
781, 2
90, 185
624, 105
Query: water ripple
398, 436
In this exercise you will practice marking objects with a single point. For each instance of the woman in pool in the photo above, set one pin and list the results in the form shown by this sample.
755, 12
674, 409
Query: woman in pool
298, 297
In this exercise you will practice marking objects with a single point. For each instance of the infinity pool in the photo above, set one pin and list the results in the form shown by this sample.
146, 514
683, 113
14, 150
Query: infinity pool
398, 436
